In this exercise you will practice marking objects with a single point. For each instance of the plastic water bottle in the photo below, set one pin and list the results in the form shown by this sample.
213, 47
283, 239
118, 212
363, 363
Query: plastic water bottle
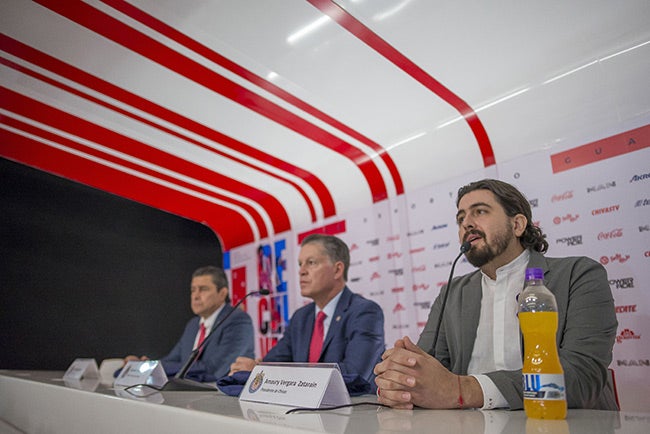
543, 377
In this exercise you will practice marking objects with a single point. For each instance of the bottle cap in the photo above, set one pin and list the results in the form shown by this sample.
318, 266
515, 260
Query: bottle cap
534, 273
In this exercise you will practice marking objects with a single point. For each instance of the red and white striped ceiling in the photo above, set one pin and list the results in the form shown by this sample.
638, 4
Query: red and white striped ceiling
258, 116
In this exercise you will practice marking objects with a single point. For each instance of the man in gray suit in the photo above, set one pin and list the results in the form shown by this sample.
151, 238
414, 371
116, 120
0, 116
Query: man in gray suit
477, 360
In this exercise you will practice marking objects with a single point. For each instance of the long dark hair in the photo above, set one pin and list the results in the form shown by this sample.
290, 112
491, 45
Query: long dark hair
513, 202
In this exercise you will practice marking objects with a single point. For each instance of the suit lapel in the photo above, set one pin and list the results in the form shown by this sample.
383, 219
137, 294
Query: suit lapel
471, 296
303, 339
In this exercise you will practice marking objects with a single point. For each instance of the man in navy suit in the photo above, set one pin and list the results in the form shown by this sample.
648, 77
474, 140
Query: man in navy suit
353, 327
211, 303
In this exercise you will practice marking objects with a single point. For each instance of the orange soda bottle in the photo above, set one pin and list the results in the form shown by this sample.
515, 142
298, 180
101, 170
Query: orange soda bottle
543, 377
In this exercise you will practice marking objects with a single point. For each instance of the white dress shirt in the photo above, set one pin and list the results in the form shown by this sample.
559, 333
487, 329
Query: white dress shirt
497, 346
208, 322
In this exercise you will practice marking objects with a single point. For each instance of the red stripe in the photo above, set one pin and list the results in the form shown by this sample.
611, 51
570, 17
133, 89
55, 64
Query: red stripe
358, 29
609, 147
231, 66
35, 154
125, 163
45, 61
330, 229
119, 33
79, 127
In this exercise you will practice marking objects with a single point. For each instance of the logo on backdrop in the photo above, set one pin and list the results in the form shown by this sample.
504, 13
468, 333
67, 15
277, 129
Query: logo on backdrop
600, 187
436, 227
632, 362
417, 250
630, 308
614, 233
567, 218
625, 335
562, 197
534, 203
642, 177
438, 246
420, 286
574, 240
624, 283
601, 211
641, 202
615, 258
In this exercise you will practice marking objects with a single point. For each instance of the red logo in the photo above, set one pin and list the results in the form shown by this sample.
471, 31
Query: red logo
609, 209
398, 289
616, 258
398, 308
564, 196
630, 308
374, 276
626, 334
418, 250
614, 233
569, 217
418, 269
422, 286
353, 247
394, 255
373, 259
441, 284
393, 238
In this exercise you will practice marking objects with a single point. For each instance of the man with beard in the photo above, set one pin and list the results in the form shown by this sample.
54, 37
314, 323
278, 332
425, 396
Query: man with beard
477, 359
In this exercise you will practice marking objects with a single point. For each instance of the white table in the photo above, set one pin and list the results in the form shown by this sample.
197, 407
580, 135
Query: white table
41, 402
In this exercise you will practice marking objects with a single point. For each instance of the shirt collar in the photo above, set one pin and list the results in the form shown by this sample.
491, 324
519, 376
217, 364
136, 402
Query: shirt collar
209, 321
330, 307
514, 266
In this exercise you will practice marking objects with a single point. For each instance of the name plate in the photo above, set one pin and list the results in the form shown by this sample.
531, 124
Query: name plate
142, 372
82, 368
314, 385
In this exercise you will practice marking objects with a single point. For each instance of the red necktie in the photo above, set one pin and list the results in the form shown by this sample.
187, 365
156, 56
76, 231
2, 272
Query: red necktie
316, 344
201, 335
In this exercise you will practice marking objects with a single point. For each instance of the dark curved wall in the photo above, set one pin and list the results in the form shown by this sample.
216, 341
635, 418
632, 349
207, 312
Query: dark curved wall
84, 273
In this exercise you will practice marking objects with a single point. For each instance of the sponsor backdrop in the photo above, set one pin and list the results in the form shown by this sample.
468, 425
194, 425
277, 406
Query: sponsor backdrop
592, 200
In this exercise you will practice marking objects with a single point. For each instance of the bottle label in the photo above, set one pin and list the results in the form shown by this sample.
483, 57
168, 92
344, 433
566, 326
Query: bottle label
544, 386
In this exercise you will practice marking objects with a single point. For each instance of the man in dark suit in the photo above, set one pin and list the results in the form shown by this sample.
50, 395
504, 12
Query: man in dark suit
211, 303
477, 359
353, 327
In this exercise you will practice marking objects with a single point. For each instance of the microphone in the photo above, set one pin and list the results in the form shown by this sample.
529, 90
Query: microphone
464, 248
179, 382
